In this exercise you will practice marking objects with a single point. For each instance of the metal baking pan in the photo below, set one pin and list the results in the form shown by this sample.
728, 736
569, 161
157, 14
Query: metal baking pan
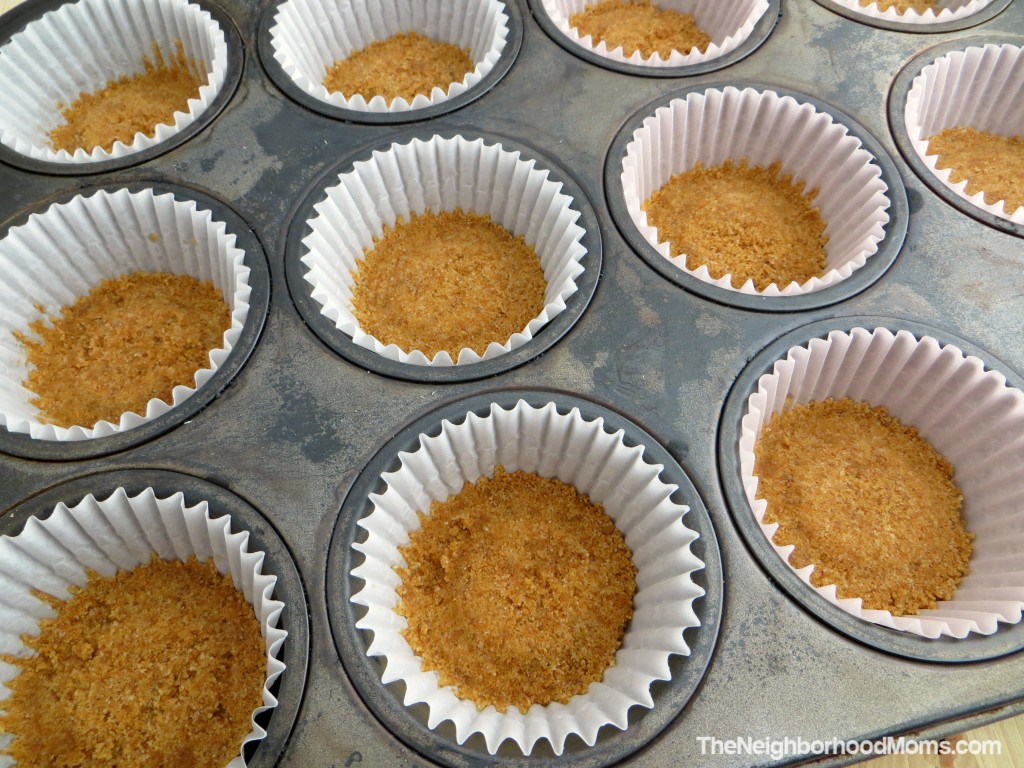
294, 428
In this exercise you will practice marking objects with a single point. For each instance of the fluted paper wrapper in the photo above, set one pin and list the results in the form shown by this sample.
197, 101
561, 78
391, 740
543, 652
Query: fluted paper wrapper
944, 11
578, 452
80, 47
309, 36
61, 254
763, 127
727, 22
440, 175
969, 414
978, 87
123, 532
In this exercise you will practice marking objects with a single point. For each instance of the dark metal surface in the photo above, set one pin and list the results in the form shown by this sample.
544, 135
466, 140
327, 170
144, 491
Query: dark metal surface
16, 20
262, 537
409, 724
874, 268
299, 422
897, 104
1009, 638
21, 444
340, 342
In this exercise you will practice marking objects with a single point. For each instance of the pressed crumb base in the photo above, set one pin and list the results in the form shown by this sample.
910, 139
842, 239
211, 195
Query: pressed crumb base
752, 223
399, 66
447, 281
992, 164
131, 339
517, 591
640, 26
130, 105
901, 6
866, 500
158, 667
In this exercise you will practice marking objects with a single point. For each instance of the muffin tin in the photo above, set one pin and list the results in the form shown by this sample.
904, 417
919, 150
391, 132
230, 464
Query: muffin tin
313, 311
44, 57
901, 90
300, 429
262, 537
721, 142
917, 389
22, 444
343, 582
744, 46
270, 22
853, 10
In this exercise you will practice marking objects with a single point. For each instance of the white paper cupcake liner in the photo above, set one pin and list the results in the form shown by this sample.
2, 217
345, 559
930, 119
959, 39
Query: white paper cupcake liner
945, 11
61, 254
309, 36
583, 454
727, 22
969, 414
441, 175
82, 46
763, 127
978, 87
123, 532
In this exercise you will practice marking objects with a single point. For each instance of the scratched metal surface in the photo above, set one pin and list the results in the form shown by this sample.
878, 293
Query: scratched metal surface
292, 432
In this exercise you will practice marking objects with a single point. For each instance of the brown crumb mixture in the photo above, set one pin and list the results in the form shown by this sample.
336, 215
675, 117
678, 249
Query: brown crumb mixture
866, 500
130, 105
640, 25
402, 65
753, 223
447, 281
158, 667
131, 339
902, 6
517, 591
992, 164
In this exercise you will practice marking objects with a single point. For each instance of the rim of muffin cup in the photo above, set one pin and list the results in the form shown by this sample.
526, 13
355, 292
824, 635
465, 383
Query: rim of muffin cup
551, 441
300, 39
736, 29
972, 413
951, 14
974, 85
120, 532
50, 260
860, 195
109, 42
522, 191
